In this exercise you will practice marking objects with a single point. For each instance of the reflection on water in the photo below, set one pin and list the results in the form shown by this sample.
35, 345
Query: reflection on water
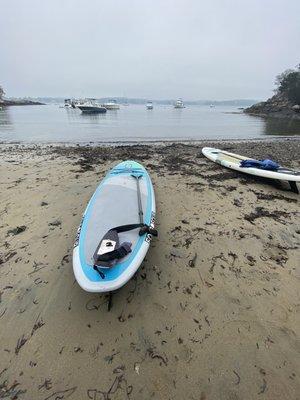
74, 115
282, 127
5, 120
50, 123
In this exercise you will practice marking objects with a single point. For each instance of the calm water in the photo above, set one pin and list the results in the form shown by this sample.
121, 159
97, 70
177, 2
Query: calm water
50, 123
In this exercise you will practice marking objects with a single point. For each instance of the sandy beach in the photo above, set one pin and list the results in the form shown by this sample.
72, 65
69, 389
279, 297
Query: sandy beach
213, 312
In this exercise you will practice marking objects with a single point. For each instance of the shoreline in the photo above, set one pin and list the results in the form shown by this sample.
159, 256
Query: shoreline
276, 107
217, 295
284, 150
276, 115
274, 138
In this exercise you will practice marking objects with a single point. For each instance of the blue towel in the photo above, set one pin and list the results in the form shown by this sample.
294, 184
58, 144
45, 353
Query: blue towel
269, 165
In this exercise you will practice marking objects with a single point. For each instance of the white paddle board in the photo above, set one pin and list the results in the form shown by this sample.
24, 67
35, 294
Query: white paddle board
232, 160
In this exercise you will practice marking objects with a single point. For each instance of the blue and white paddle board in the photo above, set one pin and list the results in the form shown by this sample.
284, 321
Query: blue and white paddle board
114, 203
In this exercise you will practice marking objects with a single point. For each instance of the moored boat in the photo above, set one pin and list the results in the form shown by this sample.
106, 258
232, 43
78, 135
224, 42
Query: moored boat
179, 104
91, 107
149, 105
111, 105
68, 103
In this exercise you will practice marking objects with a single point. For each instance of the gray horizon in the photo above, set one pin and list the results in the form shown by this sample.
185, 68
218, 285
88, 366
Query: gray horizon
161, 50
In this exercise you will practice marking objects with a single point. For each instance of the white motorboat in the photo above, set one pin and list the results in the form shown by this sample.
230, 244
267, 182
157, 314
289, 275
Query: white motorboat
91, 107
179, 104
149, 105
111, 105
68, 103
78, 102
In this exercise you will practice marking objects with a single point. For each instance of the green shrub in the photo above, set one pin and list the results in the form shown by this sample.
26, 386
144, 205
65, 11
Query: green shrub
288, 84
2, 93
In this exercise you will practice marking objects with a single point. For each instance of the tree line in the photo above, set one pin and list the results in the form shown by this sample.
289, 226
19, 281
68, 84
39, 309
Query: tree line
2, 93
288, 84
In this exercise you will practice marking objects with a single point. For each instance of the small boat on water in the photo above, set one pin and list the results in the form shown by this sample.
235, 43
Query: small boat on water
91, 107
68, 103
179, 104
149, 105
111, 105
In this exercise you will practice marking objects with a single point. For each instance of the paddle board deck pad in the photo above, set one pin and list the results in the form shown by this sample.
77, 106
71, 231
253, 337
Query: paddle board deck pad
116, 202
231, 160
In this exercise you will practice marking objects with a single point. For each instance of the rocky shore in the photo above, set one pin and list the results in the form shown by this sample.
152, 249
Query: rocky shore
213, 311
277, 106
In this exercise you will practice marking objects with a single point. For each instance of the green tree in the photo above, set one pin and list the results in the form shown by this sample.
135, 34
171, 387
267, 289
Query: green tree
288, 84
2, 93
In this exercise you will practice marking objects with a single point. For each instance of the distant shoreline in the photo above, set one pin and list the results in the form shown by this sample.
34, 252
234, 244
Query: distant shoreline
8, 103
143, 101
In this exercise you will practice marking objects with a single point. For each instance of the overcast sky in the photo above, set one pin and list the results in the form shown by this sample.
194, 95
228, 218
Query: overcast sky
216, 49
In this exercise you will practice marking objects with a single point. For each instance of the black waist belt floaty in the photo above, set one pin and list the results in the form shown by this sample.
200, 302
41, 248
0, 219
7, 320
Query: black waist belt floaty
106, 258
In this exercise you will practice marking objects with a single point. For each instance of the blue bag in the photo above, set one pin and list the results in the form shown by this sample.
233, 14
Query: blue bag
268, 165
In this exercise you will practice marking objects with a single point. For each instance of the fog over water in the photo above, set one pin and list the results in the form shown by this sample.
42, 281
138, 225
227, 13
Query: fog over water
221, 49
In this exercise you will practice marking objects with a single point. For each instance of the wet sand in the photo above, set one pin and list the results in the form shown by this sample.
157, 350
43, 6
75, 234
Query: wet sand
213, 312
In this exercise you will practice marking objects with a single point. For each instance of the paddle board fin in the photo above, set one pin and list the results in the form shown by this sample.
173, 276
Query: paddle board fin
294, 187
147, 229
